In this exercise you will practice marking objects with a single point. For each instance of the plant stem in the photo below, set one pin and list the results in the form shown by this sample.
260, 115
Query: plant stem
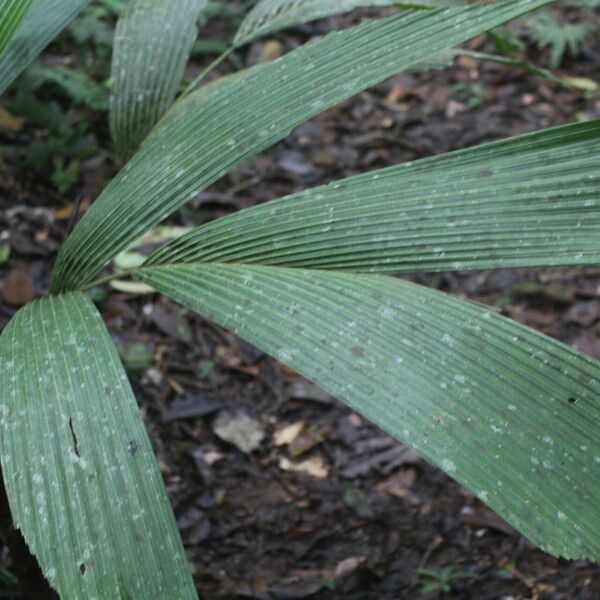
213, 65
108, 278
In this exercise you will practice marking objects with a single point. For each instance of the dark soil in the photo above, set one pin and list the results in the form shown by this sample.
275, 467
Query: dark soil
372, 513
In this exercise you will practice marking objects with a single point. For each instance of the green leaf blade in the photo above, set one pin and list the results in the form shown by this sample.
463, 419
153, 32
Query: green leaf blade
153, 42
211, 131
42, 23
533, 200
12, 13
511, 414
269, 16
81, 477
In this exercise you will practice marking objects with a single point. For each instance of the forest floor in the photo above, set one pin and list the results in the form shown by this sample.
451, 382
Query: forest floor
307, 499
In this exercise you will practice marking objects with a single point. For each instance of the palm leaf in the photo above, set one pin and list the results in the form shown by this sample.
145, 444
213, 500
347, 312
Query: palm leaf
269, 16
511, 414
12, 13
81, 477
44, 20
212, 130
528, 201
152, 44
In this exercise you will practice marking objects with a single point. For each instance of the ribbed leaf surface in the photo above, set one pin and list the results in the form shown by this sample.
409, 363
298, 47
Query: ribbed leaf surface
211, 131
509, 413
272, 15
44, 20
152, 44
11, 15
81, 477
533, 200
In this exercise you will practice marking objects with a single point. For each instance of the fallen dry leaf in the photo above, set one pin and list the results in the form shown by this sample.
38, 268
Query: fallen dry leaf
66, 212
588, 343
481, 517
231, 359
315, 467
348, 565
10, 122
306, 441
288, 434
399, 486
191, 407
584, 313
468, 62
304, 390
210, 457
18, 288
239, 429
385, 461
396, 94
271, 50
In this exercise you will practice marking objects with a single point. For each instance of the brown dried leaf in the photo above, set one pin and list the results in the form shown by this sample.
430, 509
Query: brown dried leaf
18, 288
240, 430
314, 466
288, 434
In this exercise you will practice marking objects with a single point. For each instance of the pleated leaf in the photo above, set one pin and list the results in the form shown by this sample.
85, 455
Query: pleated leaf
269, 16
509, 413
532, 200
42, 23
211, 131
152, 45
11, 15
82, 481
